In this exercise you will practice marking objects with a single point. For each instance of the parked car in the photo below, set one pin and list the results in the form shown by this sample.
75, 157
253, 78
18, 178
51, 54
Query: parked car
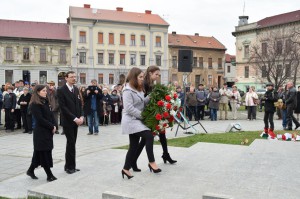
261, 91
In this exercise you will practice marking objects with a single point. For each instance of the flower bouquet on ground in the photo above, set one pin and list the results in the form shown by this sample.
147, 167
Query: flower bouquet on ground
161, 109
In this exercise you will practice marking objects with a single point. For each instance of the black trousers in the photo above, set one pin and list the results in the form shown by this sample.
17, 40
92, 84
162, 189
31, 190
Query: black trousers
9, 119
133, 145
191, 110
24, 119
29, 122
290, 118
104, 119
200, 112
251, 112
269, 118
71, 135
18, 117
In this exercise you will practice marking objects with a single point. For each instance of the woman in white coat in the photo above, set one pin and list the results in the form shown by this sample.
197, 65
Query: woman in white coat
251, 103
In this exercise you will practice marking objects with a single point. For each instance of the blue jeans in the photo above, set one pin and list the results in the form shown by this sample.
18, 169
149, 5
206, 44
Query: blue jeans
283, 115
93, 121
213, 114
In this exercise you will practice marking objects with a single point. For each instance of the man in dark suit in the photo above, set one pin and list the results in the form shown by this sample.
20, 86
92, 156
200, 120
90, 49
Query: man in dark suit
72, 117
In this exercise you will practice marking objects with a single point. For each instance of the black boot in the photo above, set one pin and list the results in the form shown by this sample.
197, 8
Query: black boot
166, 157
30, 172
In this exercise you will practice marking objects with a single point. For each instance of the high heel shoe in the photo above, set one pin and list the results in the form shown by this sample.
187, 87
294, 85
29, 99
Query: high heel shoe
124, 173
31, 174
167, 158
135, 168
154, 170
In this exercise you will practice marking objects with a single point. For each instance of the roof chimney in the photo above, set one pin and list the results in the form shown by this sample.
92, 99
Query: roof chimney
148, 12
173, 32
196, 34
119, 9
87, 5
243, 20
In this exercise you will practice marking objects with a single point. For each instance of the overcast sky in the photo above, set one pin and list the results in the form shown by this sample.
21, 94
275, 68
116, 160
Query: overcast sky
207, 17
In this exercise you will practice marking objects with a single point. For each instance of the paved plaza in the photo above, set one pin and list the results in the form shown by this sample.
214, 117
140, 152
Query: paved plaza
262, 170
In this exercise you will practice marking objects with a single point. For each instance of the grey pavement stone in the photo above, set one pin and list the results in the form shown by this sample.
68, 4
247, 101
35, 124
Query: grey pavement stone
215, 196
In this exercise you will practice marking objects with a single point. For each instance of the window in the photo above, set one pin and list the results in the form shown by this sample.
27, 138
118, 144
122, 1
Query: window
122, 59
111, 58
158, 41
25, 53
62, 56
174, 61
100, 58
210, 63
132, 40
111, 38
100, 37
100, 78
132, 59
197, 80
195, 61
246, 72
288, 71
158, 60
288, 45
143, 60
228, 69
201, 62
209, 80
82, 77
9, 55
82, 57
174, 77
42, 54
43, 77
264, 47
219, 63
82, 37
246, 51
111, 79
143, 42
279, 47
122, 39
9, 75
263, 71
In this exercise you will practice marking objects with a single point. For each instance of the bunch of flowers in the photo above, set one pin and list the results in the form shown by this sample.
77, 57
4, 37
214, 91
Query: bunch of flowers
161, 109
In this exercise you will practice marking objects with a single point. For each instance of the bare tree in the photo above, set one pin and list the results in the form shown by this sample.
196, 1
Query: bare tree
276, 56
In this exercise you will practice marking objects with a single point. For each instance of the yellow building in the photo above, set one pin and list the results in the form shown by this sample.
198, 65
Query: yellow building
34, 51
107, 43
208, 59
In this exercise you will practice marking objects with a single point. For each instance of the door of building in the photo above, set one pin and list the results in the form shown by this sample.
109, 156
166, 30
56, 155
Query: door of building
61, 79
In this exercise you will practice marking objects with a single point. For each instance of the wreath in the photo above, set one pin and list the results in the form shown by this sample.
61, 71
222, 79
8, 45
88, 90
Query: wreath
161, 109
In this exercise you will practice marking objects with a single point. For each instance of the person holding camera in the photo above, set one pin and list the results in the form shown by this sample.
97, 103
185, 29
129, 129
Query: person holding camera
92, 108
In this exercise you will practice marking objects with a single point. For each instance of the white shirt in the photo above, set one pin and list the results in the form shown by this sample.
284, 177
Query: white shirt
70, 87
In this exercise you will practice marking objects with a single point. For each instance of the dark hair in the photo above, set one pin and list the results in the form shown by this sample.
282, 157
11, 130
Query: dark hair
132, 78
298, 86
150, 69
69, 72
35, 97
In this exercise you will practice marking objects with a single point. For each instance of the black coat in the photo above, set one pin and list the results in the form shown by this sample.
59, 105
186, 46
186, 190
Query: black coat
291, 98
106, 99
70, 105
270, 97
45, 122
88, 102
24, 98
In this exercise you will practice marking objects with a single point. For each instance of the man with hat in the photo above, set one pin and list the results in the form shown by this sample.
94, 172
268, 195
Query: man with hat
53, 102
291, 104
270, 97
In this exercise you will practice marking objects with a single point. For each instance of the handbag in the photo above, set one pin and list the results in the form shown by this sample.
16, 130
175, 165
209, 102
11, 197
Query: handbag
108, 108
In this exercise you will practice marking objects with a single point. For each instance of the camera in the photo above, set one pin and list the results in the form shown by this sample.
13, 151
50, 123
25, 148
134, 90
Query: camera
92, 89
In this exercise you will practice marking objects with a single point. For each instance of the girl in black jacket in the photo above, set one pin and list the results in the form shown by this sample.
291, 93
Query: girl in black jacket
43, 133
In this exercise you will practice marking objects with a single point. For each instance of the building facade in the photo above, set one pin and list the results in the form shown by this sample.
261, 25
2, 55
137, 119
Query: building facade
254, 38
34, 51
108, 43
230, 70
208, 60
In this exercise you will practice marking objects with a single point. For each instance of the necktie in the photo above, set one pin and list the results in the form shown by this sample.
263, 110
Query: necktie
72, 90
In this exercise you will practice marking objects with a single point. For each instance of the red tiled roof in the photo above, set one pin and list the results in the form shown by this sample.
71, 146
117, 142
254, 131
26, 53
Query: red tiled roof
195, 41
34, 30
229, 57
280, 19
114, 15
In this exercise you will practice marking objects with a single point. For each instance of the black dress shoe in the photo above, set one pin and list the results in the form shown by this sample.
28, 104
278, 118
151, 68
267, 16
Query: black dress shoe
297, 127
77, 170
25, 131
31, 174
70, 171
52, 178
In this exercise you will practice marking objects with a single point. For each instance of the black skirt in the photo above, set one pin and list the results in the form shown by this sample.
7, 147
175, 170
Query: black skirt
42, 158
